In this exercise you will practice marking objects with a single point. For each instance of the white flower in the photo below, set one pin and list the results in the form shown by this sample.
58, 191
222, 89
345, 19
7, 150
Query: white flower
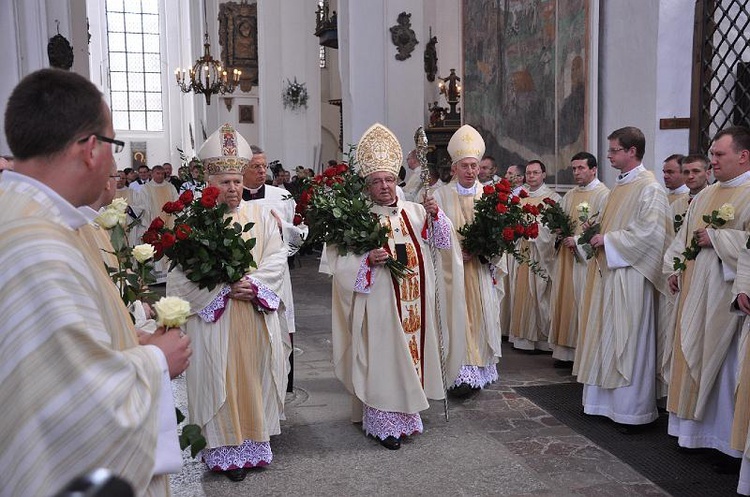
583, 208
726, 212
171, 312
108, 219
143, 252
119, 204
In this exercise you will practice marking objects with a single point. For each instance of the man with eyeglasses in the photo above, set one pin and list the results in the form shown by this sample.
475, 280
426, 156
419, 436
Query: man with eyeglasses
616, 360
530, 315
282, 207
516, 174
483, 334
66, 333
385, 340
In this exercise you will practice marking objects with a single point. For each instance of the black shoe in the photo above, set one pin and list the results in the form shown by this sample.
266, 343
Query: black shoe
726, 465
631, 429
558, 364
390, 443
463, 390
236, 474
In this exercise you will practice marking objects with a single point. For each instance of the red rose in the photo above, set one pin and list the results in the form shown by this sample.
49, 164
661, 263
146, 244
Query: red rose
501, 208
503, 198
527, 208
548, 201
159, 250
211, 192
505, 183
489, 190
534, 210
168, 239
156, 224
208, 201
520, 229
508, 234
299, 209
532, 231
169, 208
523, 193
182, 231
330, 172
297, 219
329, 182
342, 168
305, 197
502, 187
186, 197
179, 206
150, 236
515, 200
318, 179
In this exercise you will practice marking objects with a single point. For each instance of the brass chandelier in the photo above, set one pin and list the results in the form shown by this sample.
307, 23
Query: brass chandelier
207, 77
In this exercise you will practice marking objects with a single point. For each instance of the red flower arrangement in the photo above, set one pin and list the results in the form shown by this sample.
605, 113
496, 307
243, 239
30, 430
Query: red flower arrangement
499, 222
206, 244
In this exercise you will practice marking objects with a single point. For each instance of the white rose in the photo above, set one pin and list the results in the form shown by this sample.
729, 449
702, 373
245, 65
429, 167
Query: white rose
108, 219
726, 212
583, 207
119, 204
171, 312
143, 252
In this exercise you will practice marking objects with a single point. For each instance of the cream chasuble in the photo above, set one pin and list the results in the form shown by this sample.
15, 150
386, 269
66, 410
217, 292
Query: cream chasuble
530, 317
134, 198
741, 423
385, 343
636, 223
74, 325
236, 381
704, 329
569, 278
483, 334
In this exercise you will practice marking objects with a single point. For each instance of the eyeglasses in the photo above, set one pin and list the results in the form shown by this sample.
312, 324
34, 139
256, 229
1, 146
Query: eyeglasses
118, 145
614, 150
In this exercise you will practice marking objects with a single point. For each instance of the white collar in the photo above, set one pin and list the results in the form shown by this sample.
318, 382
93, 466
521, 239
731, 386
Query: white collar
742, 178
679, 190
466, 191
594, 183
631, 175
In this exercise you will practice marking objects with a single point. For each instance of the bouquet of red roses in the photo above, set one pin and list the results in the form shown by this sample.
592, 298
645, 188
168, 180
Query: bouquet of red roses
500, 221
337, 211
205, 242
557, 221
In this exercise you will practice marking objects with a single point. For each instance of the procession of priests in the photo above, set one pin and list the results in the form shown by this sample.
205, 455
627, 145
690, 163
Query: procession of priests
644, 300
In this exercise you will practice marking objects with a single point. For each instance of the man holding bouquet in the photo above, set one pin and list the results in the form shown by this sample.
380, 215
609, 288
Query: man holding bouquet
386, 339
584, 204
706, 337
237, 381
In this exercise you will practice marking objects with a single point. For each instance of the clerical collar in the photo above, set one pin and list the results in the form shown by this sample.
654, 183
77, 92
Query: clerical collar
594, 183
253, 190
742, 178
679, 190
630, 175
466, 191
68, 214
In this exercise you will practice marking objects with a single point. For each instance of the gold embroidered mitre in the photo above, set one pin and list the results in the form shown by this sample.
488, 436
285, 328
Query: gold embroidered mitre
225, 151
378, 150
466, 142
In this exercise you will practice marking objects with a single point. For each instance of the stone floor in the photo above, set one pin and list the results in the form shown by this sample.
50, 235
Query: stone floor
495, 443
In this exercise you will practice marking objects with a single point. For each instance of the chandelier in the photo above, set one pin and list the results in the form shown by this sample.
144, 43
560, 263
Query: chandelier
207, 77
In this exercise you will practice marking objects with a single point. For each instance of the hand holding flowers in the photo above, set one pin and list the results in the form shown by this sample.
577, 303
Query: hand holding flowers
700, 238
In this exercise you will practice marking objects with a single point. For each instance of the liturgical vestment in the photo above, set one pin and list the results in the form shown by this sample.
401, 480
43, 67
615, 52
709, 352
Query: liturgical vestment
530, 315
91, 395
616, 359
386, 347
569, 278
483, 334
741, 422
236, 382
705, 337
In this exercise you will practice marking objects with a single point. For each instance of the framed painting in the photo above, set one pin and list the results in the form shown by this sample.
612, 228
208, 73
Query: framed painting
528, 82
238, 37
